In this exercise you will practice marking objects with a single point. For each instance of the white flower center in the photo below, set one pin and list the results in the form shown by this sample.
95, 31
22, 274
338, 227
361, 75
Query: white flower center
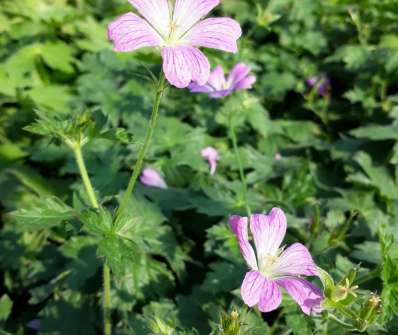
266, 265
173, 37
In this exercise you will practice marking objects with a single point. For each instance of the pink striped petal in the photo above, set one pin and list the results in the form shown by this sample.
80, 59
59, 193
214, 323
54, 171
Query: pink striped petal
239, 72
188, 12
130, 32
215, 33
245, 83
182, 65
239, 227
294, 261
268, 232
270, 298
156, 12
217, 78
306, 294
196, 88
252, 288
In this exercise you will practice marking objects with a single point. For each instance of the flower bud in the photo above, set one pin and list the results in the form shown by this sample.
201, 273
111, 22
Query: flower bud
369, 311
230, 324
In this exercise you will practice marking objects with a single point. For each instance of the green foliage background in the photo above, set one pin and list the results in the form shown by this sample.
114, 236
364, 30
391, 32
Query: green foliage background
176, 265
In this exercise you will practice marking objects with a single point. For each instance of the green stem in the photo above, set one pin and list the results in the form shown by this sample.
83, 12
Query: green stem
77, 149
141, 155
239, 160
107, 300
106, 270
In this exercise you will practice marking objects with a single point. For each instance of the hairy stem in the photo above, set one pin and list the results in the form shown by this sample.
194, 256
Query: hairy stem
141, 155
84, 174
107, 300
106, 270
239, 160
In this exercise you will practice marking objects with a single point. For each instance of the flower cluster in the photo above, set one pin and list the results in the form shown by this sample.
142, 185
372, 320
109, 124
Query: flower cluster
179, 29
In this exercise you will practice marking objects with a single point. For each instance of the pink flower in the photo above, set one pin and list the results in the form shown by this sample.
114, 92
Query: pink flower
212, 157
274, 267
218, 87
179, 31
151, 177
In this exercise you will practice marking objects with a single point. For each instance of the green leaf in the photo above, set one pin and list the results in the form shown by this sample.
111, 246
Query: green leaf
376, 133
43, 213
58, 56
379, 176
5, 307
97, 222
54, 97
118, 253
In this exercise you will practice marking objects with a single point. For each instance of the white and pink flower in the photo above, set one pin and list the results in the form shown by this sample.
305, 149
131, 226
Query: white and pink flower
273, 268
219, 87
212, 156
179, 30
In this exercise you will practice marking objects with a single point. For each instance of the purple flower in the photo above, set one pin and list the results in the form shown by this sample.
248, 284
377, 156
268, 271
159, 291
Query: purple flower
179, 31
151, 177
34, 324
274, 267
212, 157
321, 83
218, 87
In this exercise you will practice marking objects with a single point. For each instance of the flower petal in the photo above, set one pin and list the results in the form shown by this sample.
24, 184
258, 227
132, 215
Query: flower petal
188, 12
215, 33
196, 88
156, 12
151, 177
271, 297
306, 294
220, 94
245, 83
130, 32
294, 261
239, 227
268, 232
252, 287
212, 156
239, 72
182, 65
217, 78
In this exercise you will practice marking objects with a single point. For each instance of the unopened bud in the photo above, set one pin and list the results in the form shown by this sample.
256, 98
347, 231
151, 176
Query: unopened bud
234, 315
370, 308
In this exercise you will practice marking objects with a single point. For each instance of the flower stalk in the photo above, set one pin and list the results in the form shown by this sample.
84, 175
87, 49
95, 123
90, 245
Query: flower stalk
240, 165
77, 149
161, 85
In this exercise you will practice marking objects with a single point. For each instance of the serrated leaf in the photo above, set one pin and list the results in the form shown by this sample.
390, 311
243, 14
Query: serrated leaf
118, 253
97, 222
43, 213
58, 56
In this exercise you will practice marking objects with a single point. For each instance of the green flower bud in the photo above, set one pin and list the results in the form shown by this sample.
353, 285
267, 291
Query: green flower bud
370, 309
230, 324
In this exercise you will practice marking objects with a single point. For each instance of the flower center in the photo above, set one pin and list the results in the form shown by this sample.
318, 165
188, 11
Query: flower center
172, 39
266, 265
226, 85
